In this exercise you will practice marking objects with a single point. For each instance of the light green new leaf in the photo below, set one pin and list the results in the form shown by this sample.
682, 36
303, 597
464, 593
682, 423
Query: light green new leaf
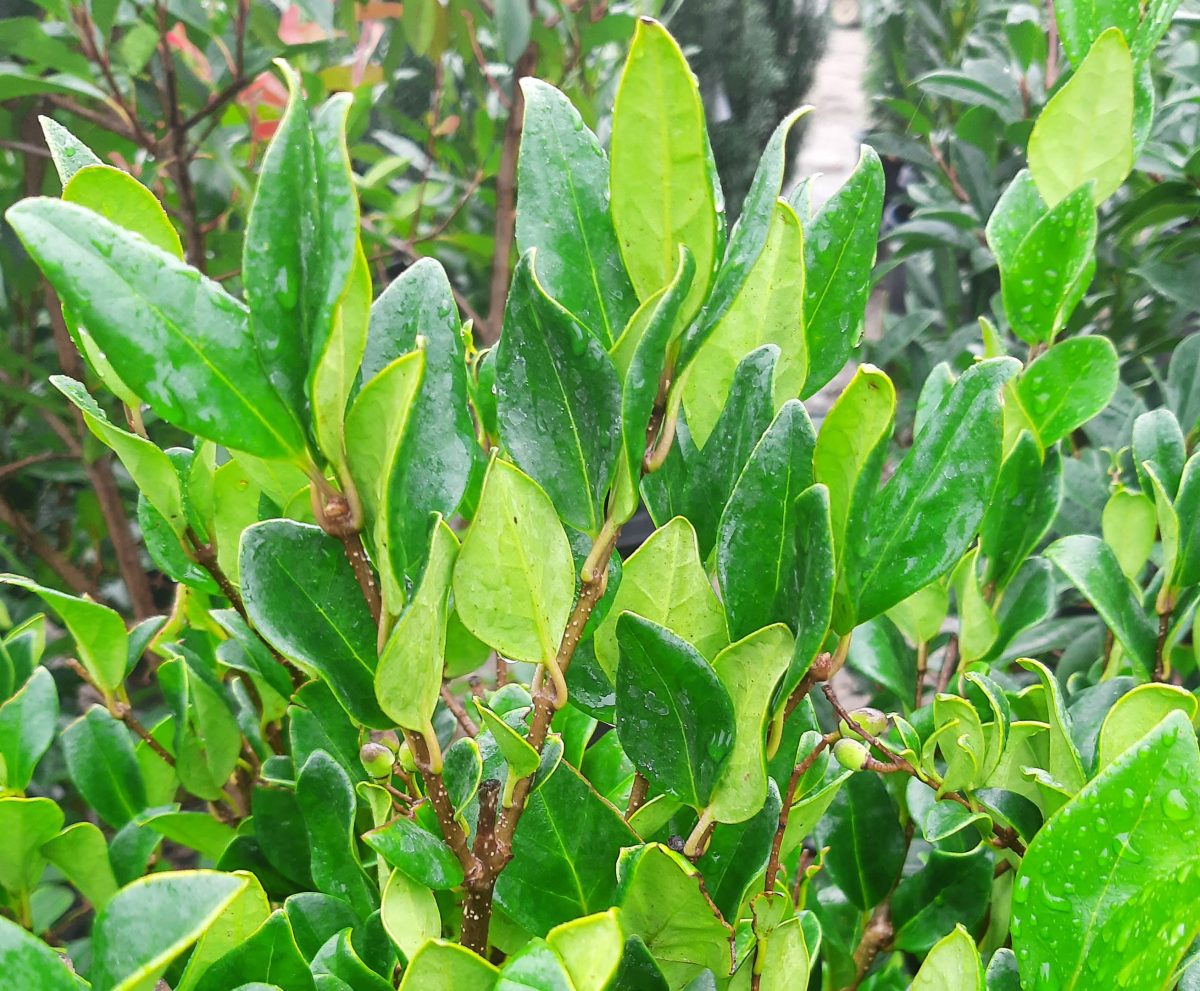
749, 669
562, 175
1135, 714
149, 923
28, 725
664, 581
1129, 525
662, 195
781, 961
26, 824
515, 578
375, 432
442, 966
175, 337
1015, 214
408, 680
952, 965
148, 465
409, 913
1092, 567
518, 754
839, 250
768, 309
590, 949
1133, 907
1064, 763
1085, 132
27, 962
98, 632
239, 920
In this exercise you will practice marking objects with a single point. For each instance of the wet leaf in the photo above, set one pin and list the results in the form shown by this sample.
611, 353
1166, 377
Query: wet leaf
1068, 385
952, 965
866, 843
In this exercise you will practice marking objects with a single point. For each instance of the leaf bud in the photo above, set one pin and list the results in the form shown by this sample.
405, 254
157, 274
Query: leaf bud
376, 759
851, 754
864, 720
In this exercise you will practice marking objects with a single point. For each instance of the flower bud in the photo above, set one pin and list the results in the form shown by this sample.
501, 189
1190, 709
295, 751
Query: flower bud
864, 720
404, 757
851, 754
376, 759
387, 738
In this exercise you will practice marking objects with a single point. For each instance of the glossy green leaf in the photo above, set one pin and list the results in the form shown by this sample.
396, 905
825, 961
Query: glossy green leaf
410, 913
664, 903
26, 824
930, 509
1080, 23
28, 722
81, 853
736, 855
562, 174
866, 843
315, 918
661, 191
762, 533
340, 960
558, 401
749, 670
270, 955
207, 739
535, 967
327, 802
948, 889
639, 971
375, 433
1084, 134
408, 680
674, 717
151, 922
444, 966
1028, 492
839, 251
1158, 439
563, 855
1187, 507
1135, 714
1064, 763
514, 581
301, 595
779, 961
238, 921
1050, 268
521, 758
1018, 210
952, 965
101, 762
417, 852
1092, 567
1132, 911
198, 831
27, 962
590, 949
1068, 385
1029, 599
156, 305
99, 632
768, 309
68, 153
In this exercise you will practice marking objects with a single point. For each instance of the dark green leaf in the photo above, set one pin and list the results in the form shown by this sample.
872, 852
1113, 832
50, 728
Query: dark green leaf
270, 955
1024, 504
416, 852
28, 722
948, 889
1158, 439
27, 962
315, 918
865, 840
737, 855
101, 762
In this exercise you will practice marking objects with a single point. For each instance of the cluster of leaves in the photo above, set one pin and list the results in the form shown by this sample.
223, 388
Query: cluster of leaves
958, 89
651, 778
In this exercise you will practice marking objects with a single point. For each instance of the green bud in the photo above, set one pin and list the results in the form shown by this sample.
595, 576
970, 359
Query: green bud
405, 759
387, 738
376, 759
851, 754
864, 720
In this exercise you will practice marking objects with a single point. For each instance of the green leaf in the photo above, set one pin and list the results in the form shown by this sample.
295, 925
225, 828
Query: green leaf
99, 632
1068, 385
513, 24
559, 401
1135, 714
563, 855
1028, 492
639, 971
155, 305
562, 174
408, 680
1133, 908
153, 921
27, 962
535, 967
1064, 763
338, 960
1090, 565
663, 902
662, 195
28, 723
238, 921
866, 843
736, 855
929, 511
768, 309
1187, 506
1015, 214
590, 949
839, 251
315, 918
67, 151
518, 754
417, 852
443, 966
949, 888
1129, 525
749, 670
410, 913
439, 452
301, 595
1085, 132
1080, 23
269, 955
952, 965
1158, 439
81, 853
761, 532
208, 739
514, 582
674, 717
102, 764
327, 802
26, 824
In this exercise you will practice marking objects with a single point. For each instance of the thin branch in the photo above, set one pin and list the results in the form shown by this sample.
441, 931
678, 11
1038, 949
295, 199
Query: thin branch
27, 533
1164, 629
460, 714
637, 794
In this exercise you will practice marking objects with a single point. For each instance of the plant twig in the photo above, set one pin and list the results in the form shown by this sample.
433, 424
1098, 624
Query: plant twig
785, 809
460, 714
876, 937
1164, 629
637, 794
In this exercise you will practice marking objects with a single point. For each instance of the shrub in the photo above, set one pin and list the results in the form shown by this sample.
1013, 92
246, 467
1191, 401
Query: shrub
660, 780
